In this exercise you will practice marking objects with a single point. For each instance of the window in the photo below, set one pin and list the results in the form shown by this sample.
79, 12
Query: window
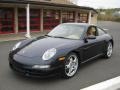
92, 31
6, 20
21, 20
34, 20
100, 32
82, 17
68, 16
51, 19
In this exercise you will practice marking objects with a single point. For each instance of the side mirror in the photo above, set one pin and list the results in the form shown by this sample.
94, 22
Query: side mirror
91, 37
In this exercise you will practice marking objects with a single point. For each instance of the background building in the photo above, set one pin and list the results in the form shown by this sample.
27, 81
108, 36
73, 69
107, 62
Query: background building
55, 1
18, 16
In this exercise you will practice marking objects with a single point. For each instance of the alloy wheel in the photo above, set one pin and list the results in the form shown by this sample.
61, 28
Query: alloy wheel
109, 50
71, 65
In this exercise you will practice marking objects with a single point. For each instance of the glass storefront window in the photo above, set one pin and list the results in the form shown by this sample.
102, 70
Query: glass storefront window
51, 19
34, 20
21, 20
6, 20
82, 17
68, 16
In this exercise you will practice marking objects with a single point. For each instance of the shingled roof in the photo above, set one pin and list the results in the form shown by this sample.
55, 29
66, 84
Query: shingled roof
39, 2
54, 1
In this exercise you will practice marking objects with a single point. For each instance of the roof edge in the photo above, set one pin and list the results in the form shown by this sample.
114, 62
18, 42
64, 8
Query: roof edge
48, 3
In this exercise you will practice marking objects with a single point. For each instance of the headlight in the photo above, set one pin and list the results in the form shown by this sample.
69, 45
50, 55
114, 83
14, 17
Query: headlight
49, 54
16, 46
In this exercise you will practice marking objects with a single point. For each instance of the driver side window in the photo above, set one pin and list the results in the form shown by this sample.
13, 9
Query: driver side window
92, 31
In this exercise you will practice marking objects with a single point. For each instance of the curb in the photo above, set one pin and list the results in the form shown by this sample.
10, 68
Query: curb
111, 84
12, 40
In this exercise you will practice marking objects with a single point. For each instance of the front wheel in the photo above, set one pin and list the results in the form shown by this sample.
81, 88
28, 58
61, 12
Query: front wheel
109, 50
70, 65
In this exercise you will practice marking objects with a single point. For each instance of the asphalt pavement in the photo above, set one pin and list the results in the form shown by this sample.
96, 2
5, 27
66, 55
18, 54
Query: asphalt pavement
89, 73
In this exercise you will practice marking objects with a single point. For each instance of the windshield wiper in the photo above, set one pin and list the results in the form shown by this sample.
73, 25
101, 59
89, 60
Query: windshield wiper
56, 36
48, 35
60, 37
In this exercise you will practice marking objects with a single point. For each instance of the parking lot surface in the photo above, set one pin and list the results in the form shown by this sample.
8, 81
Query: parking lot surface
89, 73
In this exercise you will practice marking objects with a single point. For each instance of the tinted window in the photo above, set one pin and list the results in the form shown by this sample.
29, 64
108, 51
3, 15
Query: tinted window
100, 31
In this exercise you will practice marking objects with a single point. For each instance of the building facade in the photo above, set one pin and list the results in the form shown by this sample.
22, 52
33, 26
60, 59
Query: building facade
55, 1
41, 15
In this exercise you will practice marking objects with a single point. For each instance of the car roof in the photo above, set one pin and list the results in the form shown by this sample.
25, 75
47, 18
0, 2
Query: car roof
82, 24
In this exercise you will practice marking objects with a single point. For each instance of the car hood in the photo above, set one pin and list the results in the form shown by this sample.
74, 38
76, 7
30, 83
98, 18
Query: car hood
38, 47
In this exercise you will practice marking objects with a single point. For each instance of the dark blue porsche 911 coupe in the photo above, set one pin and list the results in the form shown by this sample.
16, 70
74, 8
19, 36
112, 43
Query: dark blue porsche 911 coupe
61, 51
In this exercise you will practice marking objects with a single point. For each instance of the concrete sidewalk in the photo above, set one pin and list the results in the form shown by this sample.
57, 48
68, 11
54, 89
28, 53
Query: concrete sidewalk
9, 37
111, 84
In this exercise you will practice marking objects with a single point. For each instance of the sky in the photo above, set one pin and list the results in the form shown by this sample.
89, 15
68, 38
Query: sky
98, 3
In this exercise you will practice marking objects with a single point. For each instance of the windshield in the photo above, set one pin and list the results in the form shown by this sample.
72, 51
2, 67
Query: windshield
67, 31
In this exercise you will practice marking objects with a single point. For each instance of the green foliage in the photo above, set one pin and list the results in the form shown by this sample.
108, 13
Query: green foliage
109, 14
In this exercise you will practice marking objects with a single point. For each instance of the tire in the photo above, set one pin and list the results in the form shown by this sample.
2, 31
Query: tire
109, 50
71, 65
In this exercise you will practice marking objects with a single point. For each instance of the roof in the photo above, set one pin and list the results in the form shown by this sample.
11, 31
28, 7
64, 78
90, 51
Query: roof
55, 1
47, 4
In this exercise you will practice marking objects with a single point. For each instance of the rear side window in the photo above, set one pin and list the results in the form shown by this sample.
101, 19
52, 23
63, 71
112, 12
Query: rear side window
100, 32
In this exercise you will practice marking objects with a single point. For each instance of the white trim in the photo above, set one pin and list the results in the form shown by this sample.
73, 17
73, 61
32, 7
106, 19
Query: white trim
41, 20
112, 84
89, 18
28, 21
16, 20
76, 16
61, 17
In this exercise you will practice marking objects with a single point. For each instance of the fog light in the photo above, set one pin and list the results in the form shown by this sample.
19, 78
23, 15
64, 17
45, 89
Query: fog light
40, 66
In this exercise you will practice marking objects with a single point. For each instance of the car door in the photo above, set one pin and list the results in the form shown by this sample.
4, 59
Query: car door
92, 46
102, 39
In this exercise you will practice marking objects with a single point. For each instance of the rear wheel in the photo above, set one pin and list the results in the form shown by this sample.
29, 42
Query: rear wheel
109, 50
70, 66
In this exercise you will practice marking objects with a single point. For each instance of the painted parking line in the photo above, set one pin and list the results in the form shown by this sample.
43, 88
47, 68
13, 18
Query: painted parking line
112, 84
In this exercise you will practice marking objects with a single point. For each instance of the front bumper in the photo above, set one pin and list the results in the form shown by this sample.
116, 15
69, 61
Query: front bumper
28, 70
